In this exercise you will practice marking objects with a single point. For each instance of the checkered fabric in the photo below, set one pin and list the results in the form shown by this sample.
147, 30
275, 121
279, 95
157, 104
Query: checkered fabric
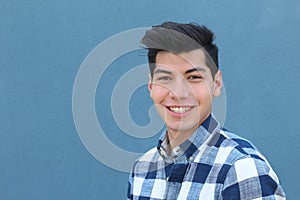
212, 164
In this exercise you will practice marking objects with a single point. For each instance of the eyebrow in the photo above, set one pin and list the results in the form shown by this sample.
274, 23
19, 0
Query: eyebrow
196, 69
162, 71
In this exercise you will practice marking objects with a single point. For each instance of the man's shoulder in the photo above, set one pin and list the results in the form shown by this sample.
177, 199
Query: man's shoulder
147, 163
149, 156
234, 147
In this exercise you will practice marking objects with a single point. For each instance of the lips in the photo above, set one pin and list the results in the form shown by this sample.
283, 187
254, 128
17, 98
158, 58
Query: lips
179, 109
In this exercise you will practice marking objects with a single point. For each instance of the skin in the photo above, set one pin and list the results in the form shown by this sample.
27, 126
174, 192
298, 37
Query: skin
182, 89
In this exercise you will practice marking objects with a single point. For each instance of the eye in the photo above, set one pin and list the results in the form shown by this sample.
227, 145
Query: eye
164, 78
194, 77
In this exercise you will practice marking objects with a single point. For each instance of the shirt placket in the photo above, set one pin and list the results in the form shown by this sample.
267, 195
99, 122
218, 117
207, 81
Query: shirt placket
176, 174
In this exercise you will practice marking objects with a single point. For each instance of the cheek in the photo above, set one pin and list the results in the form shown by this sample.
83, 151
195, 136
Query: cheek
158, 93
203, 94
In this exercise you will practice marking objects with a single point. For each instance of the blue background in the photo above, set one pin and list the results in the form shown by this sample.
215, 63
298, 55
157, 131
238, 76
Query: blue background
43, 43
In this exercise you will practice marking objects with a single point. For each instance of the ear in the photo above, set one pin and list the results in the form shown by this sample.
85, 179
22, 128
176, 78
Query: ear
217, 84
150, 84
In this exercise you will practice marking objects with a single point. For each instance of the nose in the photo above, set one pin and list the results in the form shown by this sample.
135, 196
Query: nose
180, 89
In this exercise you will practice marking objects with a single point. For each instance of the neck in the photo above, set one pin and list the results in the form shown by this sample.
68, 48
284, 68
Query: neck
178, 137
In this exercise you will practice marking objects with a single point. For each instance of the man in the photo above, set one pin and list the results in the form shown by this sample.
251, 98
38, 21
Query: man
195, 158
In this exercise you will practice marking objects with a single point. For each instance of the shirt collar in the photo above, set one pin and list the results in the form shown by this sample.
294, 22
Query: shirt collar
192, 144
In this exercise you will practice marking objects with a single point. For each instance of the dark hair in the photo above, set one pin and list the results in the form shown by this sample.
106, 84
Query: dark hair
181, 38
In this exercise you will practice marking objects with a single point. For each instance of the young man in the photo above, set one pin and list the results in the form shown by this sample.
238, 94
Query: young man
195, 158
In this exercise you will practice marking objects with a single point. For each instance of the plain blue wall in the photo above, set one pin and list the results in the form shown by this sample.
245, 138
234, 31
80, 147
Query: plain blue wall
42, 45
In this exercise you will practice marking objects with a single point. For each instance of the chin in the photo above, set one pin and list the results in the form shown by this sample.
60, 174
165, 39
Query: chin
184, 128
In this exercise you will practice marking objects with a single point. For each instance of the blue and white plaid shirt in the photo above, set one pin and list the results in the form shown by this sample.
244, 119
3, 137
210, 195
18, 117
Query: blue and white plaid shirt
211, 164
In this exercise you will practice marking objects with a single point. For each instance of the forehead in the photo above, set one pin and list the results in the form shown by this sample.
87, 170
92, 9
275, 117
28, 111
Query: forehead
181, 62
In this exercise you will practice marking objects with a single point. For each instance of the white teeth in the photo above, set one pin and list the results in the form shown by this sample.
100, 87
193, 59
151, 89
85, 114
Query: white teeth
180, 109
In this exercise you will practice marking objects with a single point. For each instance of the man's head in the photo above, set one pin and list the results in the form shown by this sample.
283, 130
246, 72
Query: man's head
181, 38
183, 76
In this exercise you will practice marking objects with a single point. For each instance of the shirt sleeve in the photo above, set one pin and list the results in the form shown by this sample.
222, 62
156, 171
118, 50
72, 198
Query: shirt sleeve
129, 189
252, 178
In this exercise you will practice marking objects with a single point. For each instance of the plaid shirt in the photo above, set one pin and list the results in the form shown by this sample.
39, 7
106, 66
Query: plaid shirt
211, 164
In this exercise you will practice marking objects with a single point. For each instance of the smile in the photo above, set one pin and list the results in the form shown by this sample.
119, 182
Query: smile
179, 109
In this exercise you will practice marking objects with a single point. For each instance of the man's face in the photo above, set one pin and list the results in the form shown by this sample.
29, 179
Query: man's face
182, 88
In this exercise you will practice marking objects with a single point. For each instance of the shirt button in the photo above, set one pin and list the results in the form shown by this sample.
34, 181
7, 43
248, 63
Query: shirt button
191, 158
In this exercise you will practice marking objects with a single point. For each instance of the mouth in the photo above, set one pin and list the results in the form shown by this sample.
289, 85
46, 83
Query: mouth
179, 109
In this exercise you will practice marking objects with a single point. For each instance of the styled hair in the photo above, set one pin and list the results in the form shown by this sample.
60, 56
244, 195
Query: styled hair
181, 38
